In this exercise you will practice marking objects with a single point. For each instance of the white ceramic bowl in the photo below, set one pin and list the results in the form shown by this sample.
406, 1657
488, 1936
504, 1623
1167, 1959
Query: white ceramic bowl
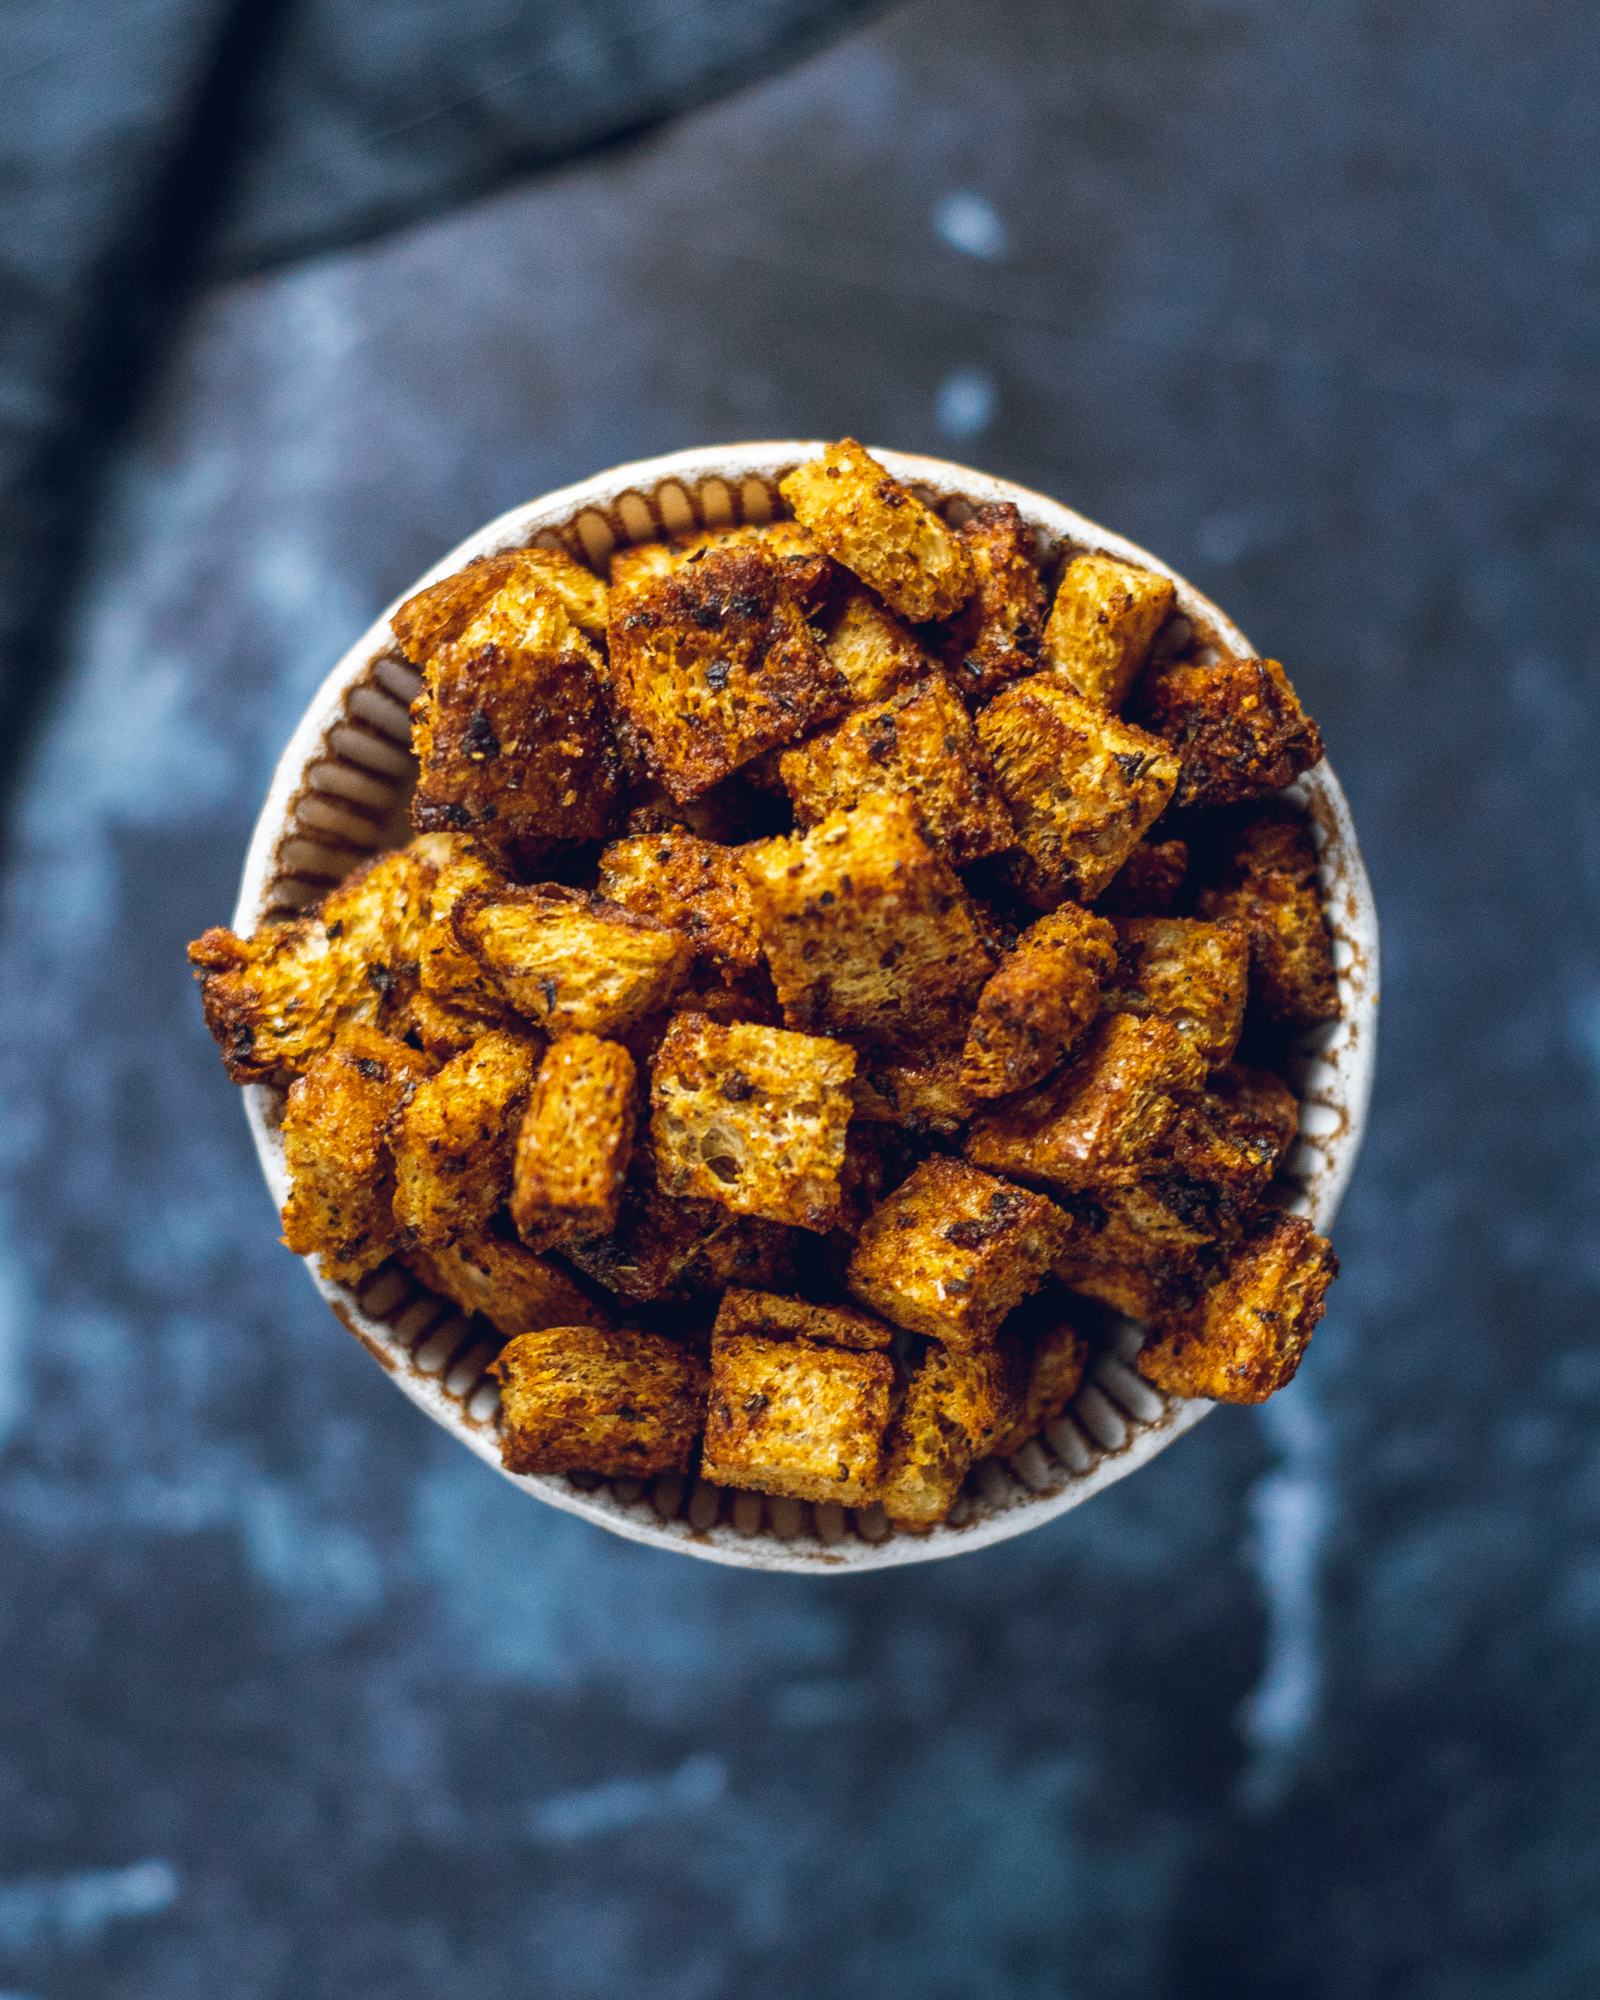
340, 793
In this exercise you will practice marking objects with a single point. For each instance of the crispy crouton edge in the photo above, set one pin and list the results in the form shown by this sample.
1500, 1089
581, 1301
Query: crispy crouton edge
339, 794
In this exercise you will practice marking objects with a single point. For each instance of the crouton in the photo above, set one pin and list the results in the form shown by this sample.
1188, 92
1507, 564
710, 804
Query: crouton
1190, 973
1082, 787
881, 532
1097, 1122
1259, 1110
452, 1142
868, 645
806, 570
1245, 1338
714, 663
866, 930
509, 1285
1041, 998
587, 1399
1148, 883
774, 1317
1053, 1360
1102, 625
956, 1407
575, 1142
1268, 883
336, 1126
925, 1093
450, 977
952, 1250
1142, 1248
995, 637
664, 1249
439, 615
796, 1418
696, 886
571, 964
753, 1118
919, 742
1237, 727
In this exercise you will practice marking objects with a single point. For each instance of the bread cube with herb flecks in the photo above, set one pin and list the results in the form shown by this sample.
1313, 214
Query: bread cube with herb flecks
1042, 997
923, 1092
1268, 882
570, 963
1053, 1356
1148, 883
514, 1288
774, 1316
1236, 726
1102, 625
667, 1249
590, 1399
806, 570
574, 1143
1191, 973
956, 1407
995, 637
868, 645
453, 1141
439, 615
697, 886
881, 532
797, 1418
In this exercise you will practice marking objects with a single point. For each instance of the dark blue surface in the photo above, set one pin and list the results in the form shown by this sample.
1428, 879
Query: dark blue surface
302, 1701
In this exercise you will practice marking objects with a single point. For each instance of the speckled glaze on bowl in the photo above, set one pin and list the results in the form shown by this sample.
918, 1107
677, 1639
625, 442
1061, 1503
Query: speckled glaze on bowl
340, 795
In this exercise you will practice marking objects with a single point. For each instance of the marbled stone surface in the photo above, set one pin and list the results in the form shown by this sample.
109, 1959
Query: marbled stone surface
299, 1699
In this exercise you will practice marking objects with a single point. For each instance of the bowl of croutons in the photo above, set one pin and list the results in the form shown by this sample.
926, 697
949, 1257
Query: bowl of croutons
813, 1007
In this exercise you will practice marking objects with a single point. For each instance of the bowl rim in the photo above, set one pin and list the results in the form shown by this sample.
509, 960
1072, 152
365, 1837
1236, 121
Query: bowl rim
735, 463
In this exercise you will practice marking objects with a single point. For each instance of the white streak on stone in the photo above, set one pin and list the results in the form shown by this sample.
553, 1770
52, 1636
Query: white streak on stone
565, 1819
966, 403
970, 223
43, 1912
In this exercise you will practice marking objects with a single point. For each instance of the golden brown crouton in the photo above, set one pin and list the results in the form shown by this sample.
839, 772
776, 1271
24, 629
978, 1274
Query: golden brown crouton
1082, 786
575, 1142
1052, 1371
336, 1127
696, 886
919, 742
806, 570
585, 1399
1258, 1109
451, 977
1245, 1337
1142, 1248
1268, 883
868, 645
1148, 883
714, 663
513, 1287
775, 1317
881, 532
1103, 624
1190, 973
662, 1248
795, 1418
1237, 727
452, 1142
866, 930
1096, 1123
441, 613
952, 1251
995, 637
924, 1092
753, 1118
572, 964
1039, 1001
956, 1408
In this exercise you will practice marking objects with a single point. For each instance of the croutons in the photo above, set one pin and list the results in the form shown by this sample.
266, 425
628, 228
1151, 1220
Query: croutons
1237, 727
1098, 1121
806, 570
452, 1142
956, 1407
868, 645
881, 532
667, 1249
1148, 883
753, 1118
1040, 999
919, 742
574, 1142
995, 637
796, 1418
1246, 1336
1268, 883
714, 663
1259, 1110
586, 1399
1190, 973
336, 1127
867, 931
775, 1317
922, 1092
512, 1287
1082, 787
1052, 1372
697, 886
952, 1250
441, 613
1102, 625
571, 964
1141, 1248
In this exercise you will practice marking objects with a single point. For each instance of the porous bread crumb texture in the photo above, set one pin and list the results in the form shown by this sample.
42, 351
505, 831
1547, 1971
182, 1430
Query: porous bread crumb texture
839, 960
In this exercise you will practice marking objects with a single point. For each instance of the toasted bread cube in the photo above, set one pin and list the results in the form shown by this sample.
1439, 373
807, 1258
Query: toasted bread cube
1142, 1248
881, 532
1237, 727
753, 1118
336, 1127
1082, 786
697, 886
575, 1142
450, 976
1097, 1123
714, 663
663, 1249
868, 645
866, 929
439, 615
1053, 1362
453, 1141
1148, 883
1102, 625
924, 1093
797, 1419
1245, 1338
511, 1286
1269, 884
772, 1316
952, 1251
919, 742
1040, 1000
569, 963
995, 637
587, 1399
1190, 973
806, 570
1258, 1110
956, 1408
